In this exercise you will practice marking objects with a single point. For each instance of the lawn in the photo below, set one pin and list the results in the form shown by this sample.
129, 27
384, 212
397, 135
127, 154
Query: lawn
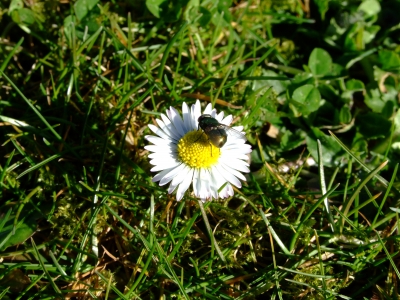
114, 187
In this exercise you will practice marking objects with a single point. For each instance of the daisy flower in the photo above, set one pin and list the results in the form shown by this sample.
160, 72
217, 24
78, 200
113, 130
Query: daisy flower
183, 155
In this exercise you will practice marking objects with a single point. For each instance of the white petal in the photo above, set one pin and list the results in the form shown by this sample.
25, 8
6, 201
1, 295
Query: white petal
217, 179
163, 161
159, 149
178, 179
158, 141
181, 176
186, 117
208, 187
234, 142
206, 178
162, 154
232, 171
246, 148
176, 120
184, 185
196, 113
208, 109
160, 175
220, 116
230, 189
159, 132
165, 165
226, 192
163, 126
196, 182
236, 148
238, 128
171, 175
227, 121
170, 127
229, 177
234, 163
234, 153
172, 187
203, 184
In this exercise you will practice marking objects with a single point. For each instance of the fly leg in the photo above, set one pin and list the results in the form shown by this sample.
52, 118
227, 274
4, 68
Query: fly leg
199, 137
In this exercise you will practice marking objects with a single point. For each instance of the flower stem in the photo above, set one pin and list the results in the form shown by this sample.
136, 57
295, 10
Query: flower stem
210, 232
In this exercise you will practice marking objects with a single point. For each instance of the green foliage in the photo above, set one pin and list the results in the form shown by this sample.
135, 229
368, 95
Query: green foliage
316, 88
83, 7
26, 16
372, 125
320, 62
305, 100
168, 11
15, 232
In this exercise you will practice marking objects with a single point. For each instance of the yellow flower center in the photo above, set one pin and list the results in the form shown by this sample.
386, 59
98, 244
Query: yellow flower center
195, 150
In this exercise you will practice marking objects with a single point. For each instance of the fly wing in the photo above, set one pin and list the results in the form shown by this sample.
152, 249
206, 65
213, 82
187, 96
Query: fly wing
233, 132
222, 130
